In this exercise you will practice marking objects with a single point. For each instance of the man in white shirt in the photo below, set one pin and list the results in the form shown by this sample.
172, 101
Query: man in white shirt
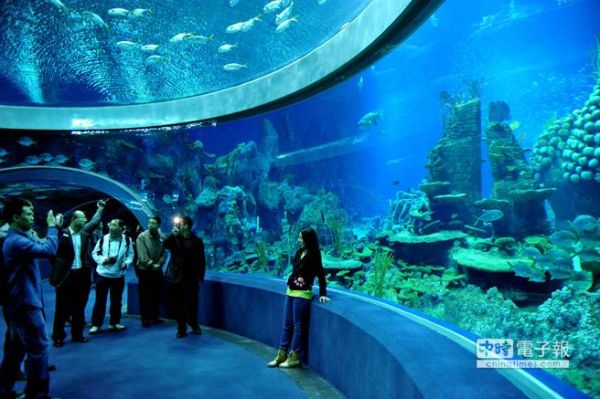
113, 254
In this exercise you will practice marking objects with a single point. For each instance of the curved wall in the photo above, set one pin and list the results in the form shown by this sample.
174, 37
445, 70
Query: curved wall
79, 178
365, 347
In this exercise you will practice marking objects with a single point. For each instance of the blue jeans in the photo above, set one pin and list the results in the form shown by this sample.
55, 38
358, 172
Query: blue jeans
27, 335
294, 328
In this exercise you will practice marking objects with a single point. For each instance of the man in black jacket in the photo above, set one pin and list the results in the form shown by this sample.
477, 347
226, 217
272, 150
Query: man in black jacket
187, 267
71, 275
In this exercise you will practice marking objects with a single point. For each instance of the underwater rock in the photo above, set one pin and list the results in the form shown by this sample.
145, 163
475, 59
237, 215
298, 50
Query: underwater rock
425, 249
493, 262
332, 264
506, 244
207, 198
447, 161
514, 181
435, 188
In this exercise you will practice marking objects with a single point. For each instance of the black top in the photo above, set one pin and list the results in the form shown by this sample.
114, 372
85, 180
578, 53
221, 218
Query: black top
187, 254
308, 268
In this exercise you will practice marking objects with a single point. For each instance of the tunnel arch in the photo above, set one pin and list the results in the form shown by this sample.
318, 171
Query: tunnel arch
79, 178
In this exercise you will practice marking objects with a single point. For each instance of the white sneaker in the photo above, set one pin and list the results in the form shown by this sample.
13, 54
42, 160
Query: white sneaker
117, 327
94, 330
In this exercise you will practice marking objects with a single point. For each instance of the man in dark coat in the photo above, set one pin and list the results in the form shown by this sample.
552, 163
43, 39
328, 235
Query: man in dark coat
71, 275
24, 303
187, 268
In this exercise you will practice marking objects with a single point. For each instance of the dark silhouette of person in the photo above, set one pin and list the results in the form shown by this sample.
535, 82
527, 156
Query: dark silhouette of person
185, 272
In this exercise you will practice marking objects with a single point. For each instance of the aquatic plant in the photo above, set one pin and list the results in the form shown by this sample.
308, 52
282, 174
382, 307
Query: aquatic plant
377, 277
260, 248
336, 226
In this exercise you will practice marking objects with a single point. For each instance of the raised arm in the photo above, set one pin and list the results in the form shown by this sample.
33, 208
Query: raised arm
96, 219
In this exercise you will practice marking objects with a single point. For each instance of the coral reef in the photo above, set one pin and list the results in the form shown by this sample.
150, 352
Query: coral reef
567, 156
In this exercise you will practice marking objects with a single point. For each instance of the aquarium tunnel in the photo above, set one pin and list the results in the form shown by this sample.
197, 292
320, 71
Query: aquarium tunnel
445, 155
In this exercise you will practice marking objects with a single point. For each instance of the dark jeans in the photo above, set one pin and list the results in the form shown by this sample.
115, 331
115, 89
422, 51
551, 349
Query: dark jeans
71, 299
103, 286
27, 335
150, 290
185, 303
294, 327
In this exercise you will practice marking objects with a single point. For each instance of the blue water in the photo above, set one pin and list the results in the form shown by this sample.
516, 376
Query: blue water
536, 57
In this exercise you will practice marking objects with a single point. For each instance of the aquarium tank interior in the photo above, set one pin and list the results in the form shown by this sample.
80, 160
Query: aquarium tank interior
446, 153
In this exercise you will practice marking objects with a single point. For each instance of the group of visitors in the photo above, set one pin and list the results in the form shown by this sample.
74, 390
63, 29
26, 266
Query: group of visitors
77, 260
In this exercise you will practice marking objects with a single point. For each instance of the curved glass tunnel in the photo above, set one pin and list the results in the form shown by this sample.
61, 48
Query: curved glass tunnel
90, 66
458, 175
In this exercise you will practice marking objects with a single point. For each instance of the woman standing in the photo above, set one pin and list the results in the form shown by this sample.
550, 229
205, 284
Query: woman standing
307, 265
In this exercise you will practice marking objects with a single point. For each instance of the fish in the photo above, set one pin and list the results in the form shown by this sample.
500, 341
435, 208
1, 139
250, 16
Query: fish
491, 215
149, 48
26, 141
233, 3
32, 160
283, 15
126, 144
118, 12
126, 45
243, 26
272, 6
87, 164
197, 145
60, 159
563, 239
285, 24
322, 216
395, 161
369, 120
584, 224
514, 125
395, 182
155, 59
361, 83
59, 4
201, 38
234, 66
321, 2
226, 48
143, 184
180, 37
95, 19
141, 12
167, 199
3, 152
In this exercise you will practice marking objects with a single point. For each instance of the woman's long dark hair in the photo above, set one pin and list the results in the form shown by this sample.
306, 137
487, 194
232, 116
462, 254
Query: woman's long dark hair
311, 241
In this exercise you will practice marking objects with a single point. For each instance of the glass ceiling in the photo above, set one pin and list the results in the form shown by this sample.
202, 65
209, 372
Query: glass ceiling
80, 64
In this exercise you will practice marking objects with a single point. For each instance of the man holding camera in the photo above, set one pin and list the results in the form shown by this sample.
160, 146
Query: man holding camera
114, 254
71, 275
24, 304
186, 272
